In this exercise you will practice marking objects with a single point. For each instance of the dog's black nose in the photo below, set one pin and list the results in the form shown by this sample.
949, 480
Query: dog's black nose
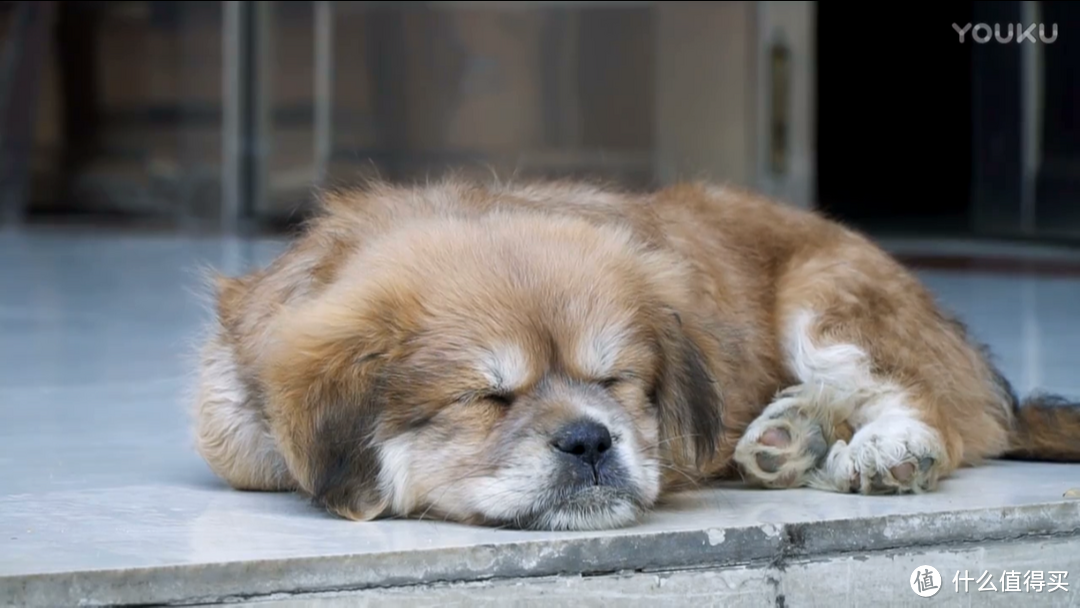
586, 439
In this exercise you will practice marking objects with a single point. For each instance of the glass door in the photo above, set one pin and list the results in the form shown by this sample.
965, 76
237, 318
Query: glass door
1026, 111
1057, 123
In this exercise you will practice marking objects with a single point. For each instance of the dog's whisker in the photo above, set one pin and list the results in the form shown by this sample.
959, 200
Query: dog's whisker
671, 439
689, 478
445, 487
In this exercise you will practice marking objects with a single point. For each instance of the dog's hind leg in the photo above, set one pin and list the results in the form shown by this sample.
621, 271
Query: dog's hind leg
890, 395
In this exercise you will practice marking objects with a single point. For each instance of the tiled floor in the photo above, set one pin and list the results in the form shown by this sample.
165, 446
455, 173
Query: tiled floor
97, 472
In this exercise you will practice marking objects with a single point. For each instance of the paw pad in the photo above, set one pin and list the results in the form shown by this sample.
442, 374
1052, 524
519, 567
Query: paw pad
903, 472
911, 475
779, 448
776, 437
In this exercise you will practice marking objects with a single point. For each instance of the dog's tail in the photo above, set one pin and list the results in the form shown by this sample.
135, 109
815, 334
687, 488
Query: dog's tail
1045, 428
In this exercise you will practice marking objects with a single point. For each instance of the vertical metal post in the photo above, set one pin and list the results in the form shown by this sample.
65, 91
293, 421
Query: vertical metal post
324, 87
246, 119
1031, 125
234, 39
261, 105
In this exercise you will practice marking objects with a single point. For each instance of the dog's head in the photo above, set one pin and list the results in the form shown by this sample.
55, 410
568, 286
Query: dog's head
520, 371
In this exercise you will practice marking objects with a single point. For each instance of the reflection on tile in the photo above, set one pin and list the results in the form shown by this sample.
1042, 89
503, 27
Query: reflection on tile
1031, 324
96, 468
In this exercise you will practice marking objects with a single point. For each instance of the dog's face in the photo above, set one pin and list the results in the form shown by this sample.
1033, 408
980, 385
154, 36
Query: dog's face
530, 373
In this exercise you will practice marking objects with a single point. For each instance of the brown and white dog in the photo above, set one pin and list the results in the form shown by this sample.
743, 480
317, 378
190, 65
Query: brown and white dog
561, 356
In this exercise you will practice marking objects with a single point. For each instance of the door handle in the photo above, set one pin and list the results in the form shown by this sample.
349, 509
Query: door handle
779, 106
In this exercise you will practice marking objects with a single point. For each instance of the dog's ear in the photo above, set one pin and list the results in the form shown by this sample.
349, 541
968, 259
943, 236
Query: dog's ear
325, 380
686, 395
343, 459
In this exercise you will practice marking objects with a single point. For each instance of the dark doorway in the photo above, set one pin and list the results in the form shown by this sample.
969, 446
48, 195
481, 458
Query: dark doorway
894, 118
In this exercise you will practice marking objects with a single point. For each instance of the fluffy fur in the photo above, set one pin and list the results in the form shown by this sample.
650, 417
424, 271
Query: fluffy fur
558, 355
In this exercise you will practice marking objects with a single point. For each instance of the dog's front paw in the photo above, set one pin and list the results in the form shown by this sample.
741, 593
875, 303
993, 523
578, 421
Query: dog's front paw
895, 455
783, 444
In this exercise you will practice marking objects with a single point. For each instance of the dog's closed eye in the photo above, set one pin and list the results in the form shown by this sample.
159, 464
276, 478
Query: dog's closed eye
616, 379
503, 398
